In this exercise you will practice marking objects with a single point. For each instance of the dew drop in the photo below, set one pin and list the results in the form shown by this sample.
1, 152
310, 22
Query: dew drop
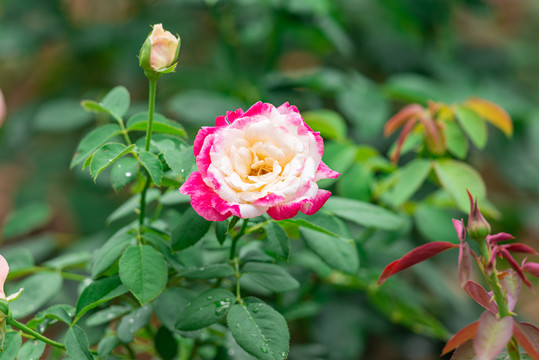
119, 166
231, 352
128, 174
238, 325
256, 309
264, 349
210, 297
283, 354
131, 321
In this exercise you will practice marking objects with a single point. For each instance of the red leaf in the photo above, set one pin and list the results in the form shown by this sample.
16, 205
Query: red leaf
463, 335
527, 336
401, 117
465, 263
499, 237
515, 266
521, 248
459, 228
481, 296
402, 137
492, 335
464, 352
417, 255
532, 268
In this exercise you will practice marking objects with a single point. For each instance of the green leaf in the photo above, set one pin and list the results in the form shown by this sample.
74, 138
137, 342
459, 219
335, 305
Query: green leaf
106, 345
190, 229
410, 179
339, 253
277, 241
221, 231
259, 330
166, 344
364, 104
206, 309
330, 123
457, 143
93, 141
160, 124
61, 116
94, 106
76, 343
143, 271
130, 206
338, 157
110, 252
26, 219
270, 276
356, 183
107, 315
473, 125
208, 271
363, 213
455, 177
132, 322
18, 259
170, 304
117, 101
69, 260
180, 161
435, 223
106, 156
52, 314
31, 350
152, 164
123, 172
202, 107
99, 292
12, 344
38, 290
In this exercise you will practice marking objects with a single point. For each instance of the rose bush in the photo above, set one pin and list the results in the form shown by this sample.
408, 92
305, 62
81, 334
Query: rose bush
266, 159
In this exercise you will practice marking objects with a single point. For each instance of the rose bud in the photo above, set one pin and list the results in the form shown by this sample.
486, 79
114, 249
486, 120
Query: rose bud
478, 226
2, 108
159, 52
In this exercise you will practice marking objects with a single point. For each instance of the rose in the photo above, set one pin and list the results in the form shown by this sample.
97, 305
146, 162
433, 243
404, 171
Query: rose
2, 108
264, 160
160, 51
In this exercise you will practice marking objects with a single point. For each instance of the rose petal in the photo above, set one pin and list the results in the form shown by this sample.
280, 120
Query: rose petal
201, 198
324, 172
311, 206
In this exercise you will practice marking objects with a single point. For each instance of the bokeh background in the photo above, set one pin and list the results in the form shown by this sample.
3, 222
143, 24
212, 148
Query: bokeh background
361, 59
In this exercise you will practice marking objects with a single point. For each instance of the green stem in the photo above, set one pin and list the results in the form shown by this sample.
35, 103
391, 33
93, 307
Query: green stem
151, 110
492, 279
236, 238
503, 310
124, 130
36, 335
238, 276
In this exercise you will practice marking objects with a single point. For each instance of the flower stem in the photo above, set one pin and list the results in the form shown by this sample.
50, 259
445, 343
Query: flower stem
151, 110
236, 238
36, 335
501, 301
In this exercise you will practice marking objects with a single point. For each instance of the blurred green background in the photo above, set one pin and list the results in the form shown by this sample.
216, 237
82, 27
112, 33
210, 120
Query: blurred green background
363, 59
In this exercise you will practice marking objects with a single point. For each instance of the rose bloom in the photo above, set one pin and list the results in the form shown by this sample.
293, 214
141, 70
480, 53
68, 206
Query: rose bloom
264, 160
163, 49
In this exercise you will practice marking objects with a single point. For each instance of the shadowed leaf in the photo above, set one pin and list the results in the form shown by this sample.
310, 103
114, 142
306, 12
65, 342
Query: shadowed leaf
481, 296
492, 335
463, 335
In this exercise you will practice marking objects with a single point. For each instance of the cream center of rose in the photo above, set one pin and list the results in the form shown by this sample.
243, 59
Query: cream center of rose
255, 160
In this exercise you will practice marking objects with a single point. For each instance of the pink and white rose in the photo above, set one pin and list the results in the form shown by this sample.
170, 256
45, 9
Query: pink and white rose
266, 159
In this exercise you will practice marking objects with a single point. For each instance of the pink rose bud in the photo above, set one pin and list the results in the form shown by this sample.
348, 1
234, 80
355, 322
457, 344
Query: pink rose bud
2, 108
264, 160
478, 226
4, 270
159, 52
